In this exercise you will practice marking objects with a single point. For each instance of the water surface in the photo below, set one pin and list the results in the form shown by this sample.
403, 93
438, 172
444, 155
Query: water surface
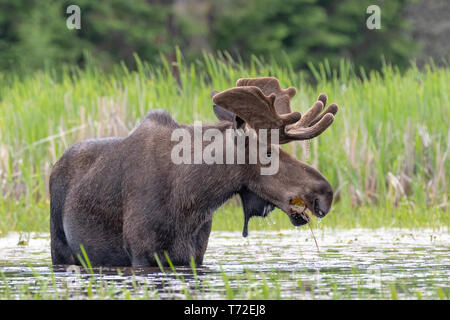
355, 263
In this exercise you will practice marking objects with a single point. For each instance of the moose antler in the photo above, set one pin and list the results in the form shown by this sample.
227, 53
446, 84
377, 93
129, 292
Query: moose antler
268, 86
311, 124
255, 108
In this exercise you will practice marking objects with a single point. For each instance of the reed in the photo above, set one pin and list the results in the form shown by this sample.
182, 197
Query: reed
385, 154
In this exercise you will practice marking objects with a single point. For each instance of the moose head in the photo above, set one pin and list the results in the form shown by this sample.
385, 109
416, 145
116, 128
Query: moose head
258, 103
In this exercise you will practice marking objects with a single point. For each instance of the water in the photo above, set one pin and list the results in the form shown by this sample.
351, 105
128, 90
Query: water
355, 263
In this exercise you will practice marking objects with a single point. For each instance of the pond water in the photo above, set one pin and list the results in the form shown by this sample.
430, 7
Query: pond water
354, 263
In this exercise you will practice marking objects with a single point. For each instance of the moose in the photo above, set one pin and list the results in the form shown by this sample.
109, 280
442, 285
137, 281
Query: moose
128, 204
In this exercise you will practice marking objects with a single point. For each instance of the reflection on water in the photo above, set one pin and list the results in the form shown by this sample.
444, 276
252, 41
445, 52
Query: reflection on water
355, 263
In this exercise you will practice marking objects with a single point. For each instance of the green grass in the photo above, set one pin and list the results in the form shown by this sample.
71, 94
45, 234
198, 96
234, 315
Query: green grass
231, 218
385, 154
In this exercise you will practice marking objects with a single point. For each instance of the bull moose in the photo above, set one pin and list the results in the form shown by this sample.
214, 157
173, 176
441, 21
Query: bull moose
128, 204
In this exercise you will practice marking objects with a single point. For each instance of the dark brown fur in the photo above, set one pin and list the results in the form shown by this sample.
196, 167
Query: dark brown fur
125, 201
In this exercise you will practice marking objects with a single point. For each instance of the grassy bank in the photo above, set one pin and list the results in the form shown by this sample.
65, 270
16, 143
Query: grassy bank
385, 155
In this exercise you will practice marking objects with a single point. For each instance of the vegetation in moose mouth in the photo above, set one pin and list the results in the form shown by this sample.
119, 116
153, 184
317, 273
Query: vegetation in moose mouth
298, 210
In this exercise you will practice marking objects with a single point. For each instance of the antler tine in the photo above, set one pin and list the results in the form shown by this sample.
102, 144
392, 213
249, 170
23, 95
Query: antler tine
310, 115
312, 123
332, 109
255, 108
306, 133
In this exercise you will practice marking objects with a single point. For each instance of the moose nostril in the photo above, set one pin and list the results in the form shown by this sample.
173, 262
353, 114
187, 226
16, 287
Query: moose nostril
317, 209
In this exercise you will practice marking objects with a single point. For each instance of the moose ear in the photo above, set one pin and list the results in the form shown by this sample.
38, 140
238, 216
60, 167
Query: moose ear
224, 115
221, 113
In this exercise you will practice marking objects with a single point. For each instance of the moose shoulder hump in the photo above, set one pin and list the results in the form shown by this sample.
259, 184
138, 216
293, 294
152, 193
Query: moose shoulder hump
161, 117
